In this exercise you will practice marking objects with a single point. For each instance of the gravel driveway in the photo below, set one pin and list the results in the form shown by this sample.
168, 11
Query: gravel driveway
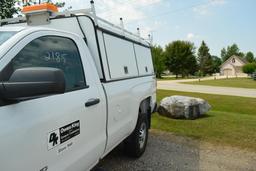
230, 91
167, 152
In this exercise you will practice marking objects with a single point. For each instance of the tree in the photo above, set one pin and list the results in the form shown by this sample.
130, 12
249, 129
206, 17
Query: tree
32, 2
11, 7
249, 68
216, 63
230, 51
249, 57
223, 54
233, 50
58, 4
180, 58
158, 60
205, 59
7, 8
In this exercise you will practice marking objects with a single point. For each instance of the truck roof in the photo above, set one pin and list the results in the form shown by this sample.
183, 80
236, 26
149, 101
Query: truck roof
25, 29
11, 28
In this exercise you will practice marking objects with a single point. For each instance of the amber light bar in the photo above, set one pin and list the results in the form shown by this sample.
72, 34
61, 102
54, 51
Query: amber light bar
40, 8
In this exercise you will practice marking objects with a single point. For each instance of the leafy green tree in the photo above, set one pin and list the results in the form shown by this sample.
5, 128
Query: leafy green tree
216, 63
249, 57
205, 59
7, 8
180, 58
58, 4
192, 65
30, 2
230, 51
158, 60
233, 50
223, 54
249, 68
10, 7
241, 54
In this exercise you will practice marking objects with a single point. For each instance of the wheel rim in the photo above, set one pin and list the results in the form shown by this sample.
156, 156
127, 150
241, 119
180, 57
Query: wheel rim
142, 135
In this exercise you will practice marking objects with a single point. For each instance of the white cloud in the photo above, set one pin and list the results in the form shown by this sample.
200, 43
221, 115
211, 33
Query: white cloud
132, 11
113, 11
146, 2
205, 8
190, 36
218, 2
177, 27
129, 10
202, 9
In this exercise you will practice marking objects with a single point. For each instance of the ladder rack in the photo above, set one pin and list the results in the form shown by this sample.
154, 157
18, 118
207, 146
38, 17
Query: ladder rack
90, 12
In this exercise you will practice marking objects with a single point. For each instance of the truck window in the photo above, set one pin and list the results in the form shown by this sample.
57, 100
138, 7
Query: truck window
55, 52
5, 35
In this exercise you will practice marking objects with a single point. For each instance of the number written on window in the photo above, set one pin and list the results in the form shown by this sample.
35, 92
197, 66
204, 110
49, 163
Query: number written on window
58, 57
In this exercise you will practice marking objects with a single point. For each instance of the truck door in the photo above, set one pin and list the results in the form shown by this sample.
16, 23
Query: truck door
56, 132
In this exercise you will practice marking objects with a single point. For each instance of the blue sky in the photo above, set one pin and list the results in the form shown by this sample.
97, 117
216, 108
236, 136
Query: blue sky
219, 22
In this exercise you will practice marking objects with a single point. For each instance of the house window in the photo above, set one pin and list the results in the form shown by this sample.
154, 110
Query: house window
233, 60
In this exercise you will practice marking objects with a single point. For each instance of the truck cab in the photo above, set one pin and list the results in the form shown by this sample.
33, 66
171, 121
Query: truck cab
71, 90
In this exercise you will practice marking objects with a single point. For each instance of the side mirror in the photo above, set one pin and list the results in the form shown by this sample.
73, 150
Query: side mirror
32, 82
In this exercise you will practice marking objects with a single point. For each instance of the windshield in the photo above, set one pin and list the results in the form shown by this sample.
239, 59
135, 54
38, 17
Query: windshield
5, 35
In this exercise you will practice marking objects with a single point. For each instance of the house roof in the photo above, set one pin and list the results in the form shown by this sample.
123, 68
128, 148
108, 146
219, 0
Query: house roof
237, 57
243, 59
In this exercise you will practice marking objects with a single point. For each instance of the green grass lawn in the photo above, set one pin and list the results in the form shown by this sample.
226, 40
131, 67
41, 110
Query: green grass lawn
232, 121
173, 78
232, 82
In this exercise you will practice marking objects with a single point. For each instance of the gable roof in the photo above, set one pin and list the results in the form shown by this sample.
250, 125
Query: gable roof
243, 60
237, 57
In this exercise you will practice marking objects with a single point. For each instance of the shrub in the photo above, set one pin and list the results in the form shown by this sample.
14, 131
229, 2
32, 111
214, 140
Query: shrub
249, 68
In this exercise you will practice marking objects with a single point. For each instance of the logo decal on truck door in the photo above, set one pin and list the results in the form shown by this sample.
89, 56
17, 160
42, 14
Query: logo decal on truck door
63, 134
53, 139
69, 131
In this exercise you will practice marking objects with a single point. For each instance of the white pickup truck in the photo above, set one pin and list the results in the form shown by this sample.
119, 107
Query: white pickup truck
72, 88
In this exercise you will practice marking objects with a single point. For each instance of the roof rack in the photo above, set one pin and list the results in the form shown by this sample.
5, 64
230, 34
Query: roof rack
90, 12
12, 20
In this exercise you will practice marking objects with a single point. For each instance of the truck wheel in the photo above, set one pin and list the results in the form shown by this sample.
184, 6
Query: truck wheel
136, 143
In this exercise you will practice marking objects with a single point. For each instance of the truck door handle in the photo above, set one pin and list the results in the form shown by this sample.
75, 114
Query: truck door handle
92, 102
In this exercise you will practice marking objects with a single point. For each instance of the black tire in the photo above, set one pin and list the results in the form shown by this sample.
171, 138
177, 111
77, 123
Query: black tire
135, 144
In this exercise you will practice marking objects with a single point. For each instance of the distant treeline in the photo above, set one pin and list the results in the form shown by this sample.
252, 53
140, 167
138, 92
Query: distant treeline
181, 58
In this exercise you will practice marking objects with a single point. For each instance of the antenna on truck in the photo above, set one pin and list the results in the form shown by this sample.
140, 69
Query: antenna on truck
94, 12
138, 34
150, 38
122, 25
138, 31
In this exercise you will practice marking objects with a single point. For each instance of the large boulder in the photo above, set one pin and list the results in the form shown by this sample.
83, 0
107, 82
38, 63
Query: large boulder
183, 107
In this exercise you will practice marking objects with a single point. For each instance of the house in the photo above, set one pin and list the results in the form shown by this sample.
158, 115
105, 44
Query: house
233, 66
